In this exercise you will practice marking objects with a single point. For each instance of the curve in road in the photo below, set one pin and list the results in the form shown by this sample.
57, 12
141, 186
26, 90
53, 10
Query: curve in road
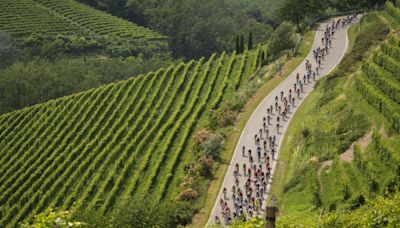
255, 124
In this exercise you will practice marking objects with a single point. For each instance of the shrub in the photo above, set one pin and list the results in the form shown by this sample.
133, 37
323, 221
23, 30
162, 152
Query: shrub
187, 183
187, 194
205, 166
202, 136
373, 186
221, 118
214, 146
357, 202
305, 132
332, 207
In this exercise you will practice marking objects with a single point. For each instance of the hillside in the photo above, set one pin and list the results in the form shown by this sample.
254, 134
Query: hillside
66, 19
112, 124
106, 146
342, 147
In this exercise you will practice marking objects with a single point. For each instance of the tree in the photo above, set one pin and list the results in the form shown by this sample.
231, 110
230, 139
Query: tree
297, 11
8, 50
214, 146
241, 43
250, 45
237, 44
281, 39
294, 11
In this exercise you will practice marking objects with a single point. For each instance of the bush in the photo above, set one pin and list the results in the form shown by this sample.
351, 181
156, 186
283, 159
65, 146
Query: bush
332, 207
357, 202
202, 136
373, 186
214, 146
305, 132
187, 194
187, 183
221, 118
205, 166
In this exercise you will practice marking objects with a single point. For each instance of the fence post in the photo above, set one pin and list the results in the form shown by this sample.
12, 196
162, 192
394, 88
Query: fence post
270, 217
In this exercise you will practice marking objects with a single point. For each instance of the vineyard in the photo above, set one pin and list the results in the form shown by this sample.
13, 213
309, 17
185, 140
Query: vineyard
69, 18
380, 81
99, 148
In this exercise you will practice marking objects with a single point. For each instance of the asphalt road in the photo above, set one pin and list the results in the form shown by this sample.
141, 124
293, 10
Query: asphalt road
255, 123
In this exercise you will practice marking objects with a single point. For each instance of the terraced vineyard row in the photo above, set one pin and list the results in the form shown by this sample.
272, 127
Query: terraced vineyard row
24, 17
98, 22
101, 147
380, 81
52, 17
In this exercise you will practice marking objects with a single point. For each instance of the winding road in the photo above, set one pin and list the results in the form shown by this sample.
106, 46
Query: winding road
255, 123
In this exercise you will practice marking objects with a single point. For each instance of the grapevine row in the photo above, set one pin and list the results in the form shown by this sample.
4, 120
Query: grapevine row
168, 172
123, 154
391, 50
188, 112
388, 64
34, 182
383, 104
225, 81
147, 152
383, 80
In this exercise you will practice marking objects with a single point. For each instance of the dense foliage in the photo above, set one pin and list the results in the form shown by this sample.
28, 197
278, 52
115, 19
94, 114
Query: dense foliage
196, 27
301, 12
201, 27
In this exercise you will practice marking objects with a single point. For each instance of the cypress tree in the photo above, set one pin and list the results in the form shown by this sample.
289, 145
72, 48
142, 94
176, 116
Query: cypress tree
250, 45
237, 44
241, 43
262, 57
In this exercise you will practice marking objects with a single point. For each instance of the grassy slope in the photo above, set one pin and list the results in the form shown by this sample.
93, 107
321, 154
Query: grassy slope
305, 151
233, 135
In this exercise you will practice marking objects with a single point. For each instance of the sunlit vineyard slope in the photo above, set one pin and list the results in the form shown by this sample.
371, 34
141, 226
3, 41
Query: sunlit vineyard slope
103, 146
